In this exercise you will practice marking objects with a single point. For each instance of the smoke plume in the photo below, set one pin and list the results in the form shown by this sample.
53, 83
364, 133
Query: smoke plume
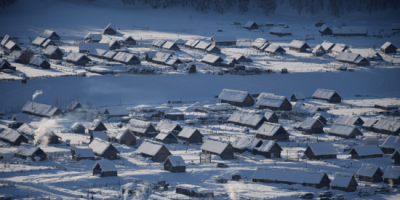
37, 93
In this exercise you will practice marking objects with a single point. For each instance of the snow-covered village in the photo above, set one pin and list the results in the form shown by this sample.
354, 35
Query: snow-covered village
202, 99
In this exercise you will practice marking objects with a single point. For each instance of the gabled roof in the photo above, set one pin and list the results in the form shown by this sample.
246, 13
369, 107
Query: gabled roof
322, 148
163, 135
10, 44
27, 130
117, 111
179, 41
168, 45
84, 152
346, 56
344, 130
392, 142
202, 45
392, 172
38, 41
48, 42
5, 40
323, 94
386, 45
387, 125
187, 132
323, 28
268, 114
223, 38
367, 169
161, 57
229, 60
139, 123
214, 146
176, 161
327, 45
308, 123
259, 42
108, 27
342, 180
245, 118
39, 109
167, 125
246, 143
97, 52
266, 146
339, 47
37, 60
298, 44
75, 57
173, 61
273, 48
369, 122
269, 99
124, 57
76, 125
299, 95
94, 36
22, 118
149, 148
249, 24
49, 33
292, 176
209, 58
9, 134
123, 132
26, 151
210, 48
366, 150
106, 166
347, 120
109, 54
126, 37
51, 49
99, 146
301, 107
233, 95
268, 129
318, 49
159, 42
100, 134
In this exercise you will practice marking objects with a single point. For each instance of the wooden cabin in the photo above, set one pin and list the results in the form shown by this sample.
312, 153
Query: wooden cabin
344, 131
328, 46
166, 138
370, 173
310, 125
269, 149
387, 126
12, 137
78, 59
126, 58
169, 126
97, 125
41, 110
242, 144
353, 120
274, 49
254, 121
39, 61
125, 137
212, 60
250, 25
51, 35
305, 178
258, 43
299, 46
296, 96
213, 49
32, 152
109, 30
236, 98
190, 135
369, 151
12, 46
270, 116
175, 164
170, 46
392, 175
321, 150
194, 191
280, 31
175, 116
93, 37
388, 47
344, 182
104, 149
219, 148
329, 95
350, 31
142, 128
391, 144
272, 131
53, 52
321, 118
82, 154
318, 51
105, 168
4, 65
325, 30
38, 41
128, 40
157, 152
352, 58
369, 123
273, 102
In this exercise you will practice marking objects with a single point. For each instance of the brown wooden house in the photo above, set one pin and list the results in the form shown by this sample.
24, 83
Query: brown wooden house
142, 128
82, 154
391, 144
12, 137
242, 144
392, 175
273, 102
30, 152
344, 131
269, 149
236, 98
166, 137
78, 59
105, 168
300, 46
370, 173
253, 121
53, 52
328, 95
345, 182
222, 149
125, 137
388, 47
321, 150
157, 152
369, 151
270, 116
104, 149
272, 131
190, 135
175, 164
310, 125
97, 126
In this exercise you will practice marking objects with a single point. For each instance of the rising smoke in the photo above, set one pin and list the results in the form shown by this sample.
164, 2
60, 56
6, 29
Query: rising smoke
37, 93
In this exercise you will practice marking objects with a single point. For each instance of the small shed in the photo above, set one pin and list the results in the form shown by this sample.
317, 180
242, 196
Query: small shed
128, 40
223, 40
392, 175
320, 150
250, 25
251, 120
297, 96
157, 152
53, 52
242, 144
329, 95
4, 64
275, 49
300, 46
125, 136
369, 151
82, 154
213, 49
190, 135
109, 30
166, 137
270, 116
318, 51
396, 157
105, 168
142, 128
104, 149
273, 102
175, 164
222, 149
272, 131
370, 173
311, 125
78, 59
345, 182
32, 152
51, 35
269, 149
344, 131
325, 30
388, 47
12, 137
236, 98
12, 46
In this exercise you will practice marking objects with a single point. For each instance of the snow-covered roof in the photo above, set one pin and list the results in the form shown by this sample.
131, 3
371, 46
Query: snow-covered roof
106, 166
349, 57
323, 93
84, 152
163, 135
5, 40
38, 41
26, 150
100, 135
210, 48
108, 27
39, 109
323, 28
94, 36
209, 58
75, 57
266, 146
50, 50
293, 176
392, 172
273, 48
168, 44
322, 148
158, 42
342, 180
76, 125
340, 129
139, 123
246, 118
339, 47
99, 146
387, 124
350, 30
369, 122
202, 45
249, 24
123, 57
268, 114
327, 45
161, 57
10, 44
347, 120
368, 150
9, 134
245, 142
27, 129
386, 45
187, 132
47, 33
37, 60
109, 54
281, 30
194, 43
167, 125
176, 161
269, 99
224, 38
123, 132
259, 42
214, 146
179, 41
299, 95
229, 60
308, 123
126, 37
392, 142
318, 49
233, 95
297, 44
149, 148
367, 169
88, 46
172, 61
301, 107
97, 52
22, 118
268, 129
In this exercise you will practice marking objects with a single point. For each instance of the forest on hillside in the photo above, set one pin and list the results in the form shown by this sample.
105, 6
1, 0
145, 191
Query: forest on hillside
334, 7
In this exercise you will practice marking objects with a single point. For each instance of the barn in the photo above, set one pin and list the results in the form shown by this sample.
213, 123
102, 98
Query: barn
370, 173
156, 151
320, 150
273, 102
368, 151
213, 49
175, 164
242, 144
126, 58
306, 178
109, 30
142, 128
236, 98
169, 126
272, 131
329, 95
388, 47
166, 137
325, 30
250, 25
219, 148
350, 31
339, 48
223, 40
12, 137
4, 64
212, 60
125, 136
349, 120
274, 49
170, 46
391, 144
53, 52
41, 110
280, 31
51, 35
12, 46
352, 58
251, 120
82, 154
344, 131
190, 135
300, 46
31, 152
345, 182
271, 116
269, 149
39, 61
105, 168
128, 40
104, 149
392, 175
93, 37
318, 51
78, 59
310, 125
